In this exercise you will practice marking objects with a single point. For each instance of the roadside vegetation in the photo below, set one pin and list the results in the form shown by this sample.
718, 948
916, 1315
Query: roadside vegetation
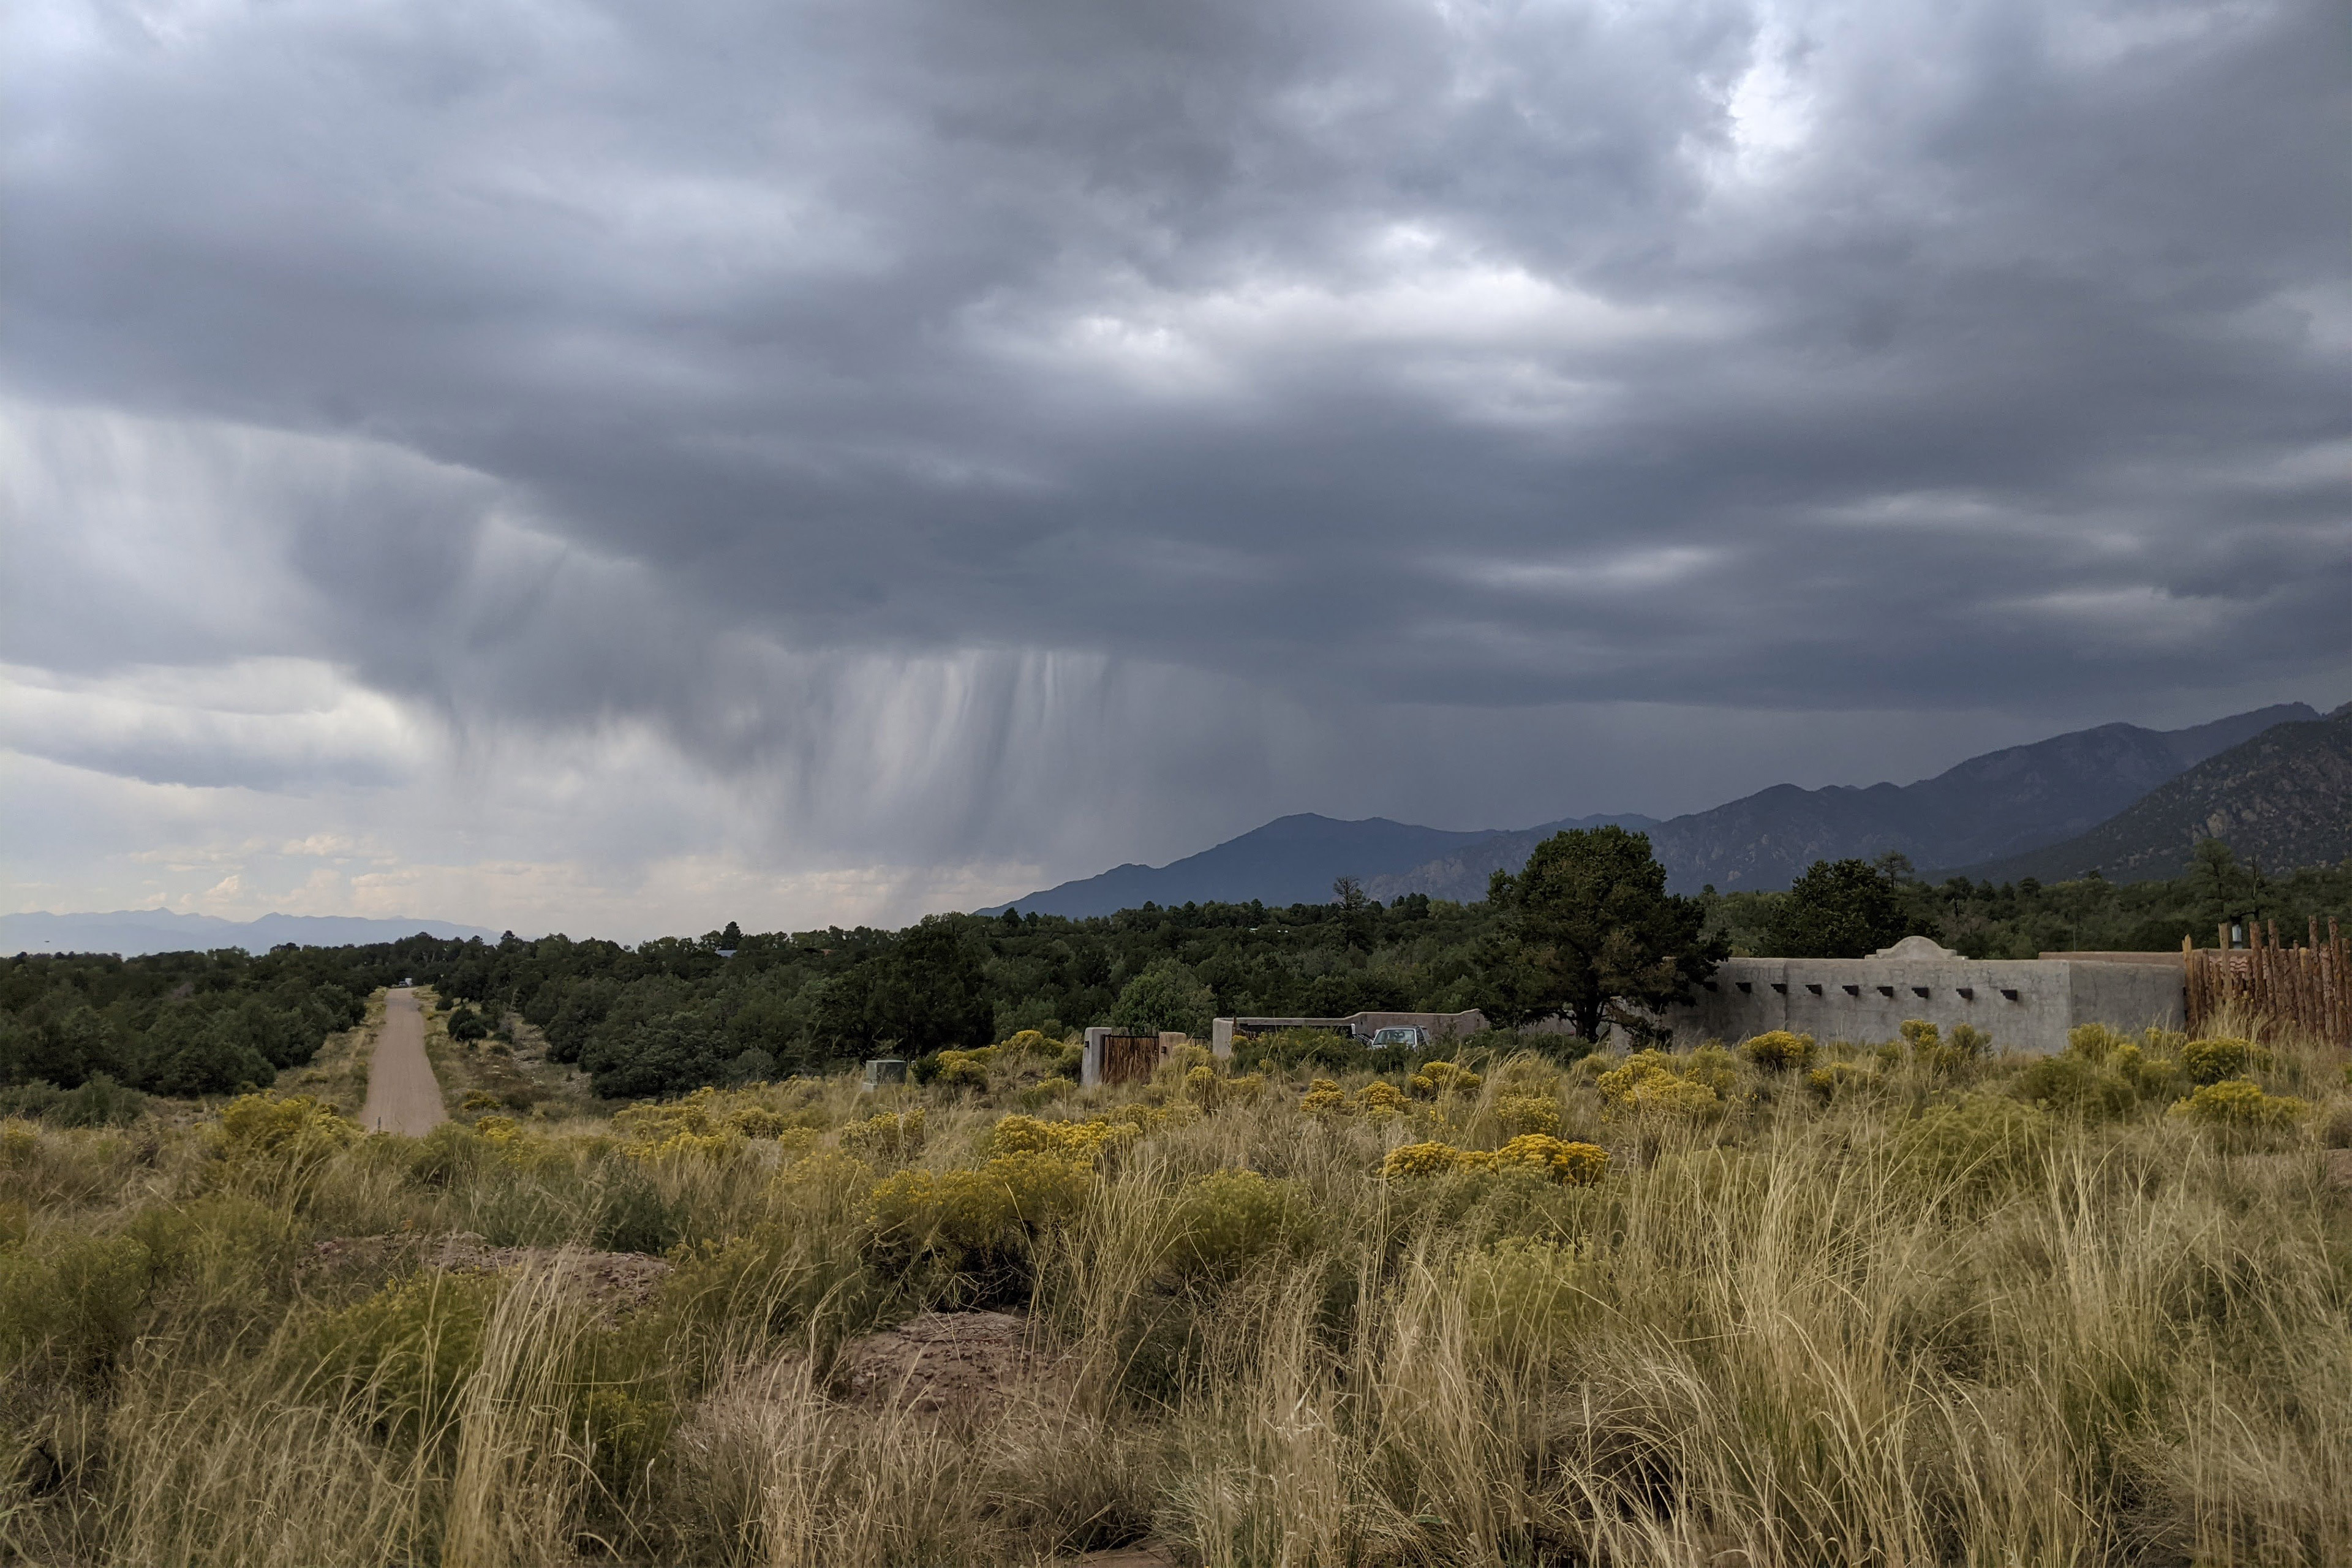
1779, 1302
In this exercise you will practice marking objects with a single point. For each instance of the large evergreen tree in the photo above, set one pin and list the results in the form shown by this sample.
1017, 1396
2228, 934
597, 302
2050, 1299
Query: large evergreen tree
1843, 908
1589, 932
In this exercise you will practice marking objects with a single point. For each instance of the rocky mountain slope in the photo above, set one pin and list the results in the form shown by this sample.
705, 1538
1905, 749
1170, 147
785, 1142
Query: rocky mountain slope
2282, 799
2004, 802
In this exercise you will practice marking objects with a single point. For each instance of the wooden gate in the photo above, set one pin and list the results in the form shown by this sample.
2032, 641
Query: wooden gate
2304, 987
1126, 1057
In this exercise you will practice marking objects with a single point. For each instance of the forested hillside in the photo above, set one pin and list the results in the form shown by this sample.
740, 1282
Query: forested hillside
179, 1023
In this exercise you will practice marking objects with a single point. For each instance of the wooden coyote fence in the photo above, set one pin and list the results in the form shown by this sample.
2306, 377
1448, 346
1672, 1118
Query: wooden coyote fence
2306, 987
1126, 1058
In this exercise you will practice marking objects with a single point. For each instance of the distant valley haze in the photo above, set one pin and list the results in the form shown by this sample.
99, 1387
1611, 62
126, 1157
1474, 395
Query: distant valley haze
622, 471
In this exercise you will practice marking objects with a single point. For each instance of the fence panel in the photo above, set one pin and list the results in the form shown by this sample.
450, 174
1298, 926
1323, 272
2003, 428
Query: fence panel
2305, 986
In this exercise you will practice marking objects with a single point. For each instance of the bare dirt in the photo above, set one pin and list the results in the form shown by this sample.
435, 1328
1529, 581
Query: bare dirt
967, 1364
610, 1283
402, 1095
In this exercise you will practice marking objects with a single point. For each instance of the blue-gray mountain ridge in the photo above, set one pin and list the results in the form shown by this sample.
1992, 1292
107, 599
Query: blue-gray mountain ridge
2001, 805
130, 932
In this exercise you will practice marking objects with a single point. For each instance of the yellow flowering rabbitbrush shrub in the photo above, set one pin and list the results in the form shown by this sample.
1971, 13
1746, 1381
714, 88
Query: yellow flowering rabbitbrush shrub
693, 1127
1528, 1113
1651, 1083
1084, 1142
1838, 1079
1323, 1098
274, 1136
892, 1135
1571, 1165
681, 1146
2211, 1061
1380, 1099
757, 1121
972, 1214
2238, 1105
965, 1069
1440, 1078
1430, 1158
1778, 1050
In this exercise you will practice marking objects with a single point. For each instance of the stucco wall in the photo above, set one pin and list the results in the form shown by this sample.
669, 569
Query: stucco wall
2025, 1004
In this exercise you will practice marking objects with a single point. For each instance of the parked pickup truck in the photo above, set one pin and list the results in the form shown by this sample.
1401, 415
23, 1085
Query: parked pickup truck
1413, 1036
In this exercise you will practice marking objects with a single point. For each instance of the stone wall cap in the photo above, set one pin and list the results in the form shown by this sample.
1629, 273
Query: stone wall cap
1916, 947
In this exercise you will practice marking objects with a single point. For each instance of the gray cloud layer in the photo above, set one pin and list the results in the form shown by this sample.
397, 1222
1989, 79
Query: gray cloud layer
910, 410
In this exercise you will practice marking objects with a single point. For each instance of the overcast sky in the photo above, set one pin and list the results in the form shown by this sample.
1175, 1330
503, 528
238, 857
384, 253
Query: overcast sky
619, 469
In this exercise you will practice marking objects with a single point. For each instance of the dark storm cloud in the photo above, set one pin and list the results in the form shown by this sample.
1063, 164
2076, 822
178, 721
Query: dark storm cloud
1889, 357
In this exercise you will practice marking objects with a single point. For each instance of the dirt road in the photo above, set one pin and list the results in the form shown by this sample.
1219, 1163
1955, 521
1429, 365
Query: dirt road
402, 1095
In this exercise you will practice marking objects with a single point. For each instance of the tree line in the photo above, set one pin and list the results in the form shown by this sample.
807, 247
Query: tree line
1585, 931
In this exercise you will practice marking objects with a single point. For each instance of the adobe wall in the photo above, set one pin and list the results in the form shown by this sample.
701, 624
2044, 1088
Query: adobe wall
2026, 1005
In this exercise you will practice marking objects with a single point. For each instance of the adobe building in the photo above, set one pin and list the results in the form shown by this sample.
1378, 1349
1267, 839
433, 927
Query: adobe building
2025, 1004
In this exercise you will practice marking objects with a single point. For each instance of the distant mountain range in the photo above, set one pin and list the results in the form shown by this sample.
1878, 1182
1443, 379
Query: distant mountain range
2002, 802
1990, 809
1290, 860
2282, 799
134, 932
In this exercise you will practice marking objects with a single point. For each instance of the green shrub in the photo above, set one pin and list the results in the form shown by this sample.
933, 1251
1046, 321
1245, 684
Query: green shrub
1941, 1053
450, 1156
630, 1215
2078, 1086
892, 1135
1226, 1219
1838, 1080
2210, 1061
1980, 1146
404, 1353
72, 1299
1288, 1050
2096, 1042
1525, 1299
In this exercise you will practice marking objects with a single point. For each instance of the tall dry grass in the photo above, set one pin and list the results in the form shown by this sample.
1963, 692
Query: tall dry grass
1905, 1317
